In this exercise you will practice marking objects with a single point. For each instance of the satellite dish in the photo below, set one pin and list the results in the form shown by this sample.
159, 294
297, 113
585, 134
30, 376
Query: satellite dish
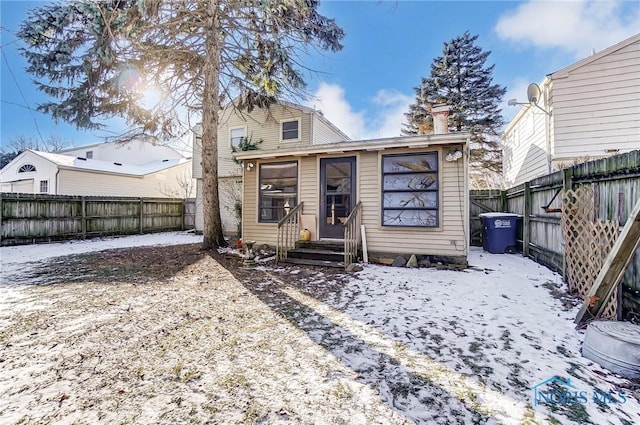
533, 93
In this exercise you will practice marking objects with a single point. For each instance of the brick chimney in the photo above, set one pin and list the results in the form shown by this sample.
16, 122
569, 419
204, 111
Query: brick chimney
440, 114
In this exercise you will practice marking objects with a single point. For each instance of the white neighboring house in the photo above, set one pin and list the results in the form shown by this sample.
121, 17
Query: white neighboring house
588, 110
282, 125
135, 168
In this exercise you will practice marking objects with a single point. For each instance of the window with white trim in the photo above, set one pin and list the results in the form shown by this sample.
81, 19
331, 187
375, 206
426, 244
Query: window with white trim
44, 186
27, 168
236, 135
290, 130
410, 190
278, 190
89, 155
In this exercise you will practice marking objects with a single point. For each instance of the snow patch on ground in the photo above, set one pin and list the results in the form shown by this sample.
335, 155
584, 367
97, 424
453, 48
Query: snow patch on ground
289, 344
496, 323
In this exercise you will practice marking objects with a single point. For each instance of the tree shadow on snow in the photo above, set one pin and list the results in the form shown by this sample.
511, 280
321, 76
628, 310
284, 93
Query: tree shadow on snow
411, 394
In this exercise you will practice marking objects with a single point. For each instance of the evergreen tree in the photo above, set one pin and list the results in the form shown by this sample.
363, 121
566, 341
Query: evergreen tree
460, 79
7, 157
96, 57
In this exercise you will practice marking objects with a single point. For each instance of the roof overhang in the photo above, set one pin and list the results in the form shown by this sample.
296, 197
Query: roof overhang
122, 173
17, 180
94, 171
564, 72
410, 142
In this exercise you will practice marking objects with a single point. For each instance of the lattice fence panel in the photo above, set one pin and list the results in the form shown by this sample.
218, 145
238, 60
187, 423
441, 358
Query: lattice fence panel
586, 243
577, 213
604, 235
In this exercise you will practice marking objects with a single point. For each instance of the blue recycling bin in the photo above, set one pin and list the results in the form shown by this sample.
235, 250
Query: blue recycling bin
499, 233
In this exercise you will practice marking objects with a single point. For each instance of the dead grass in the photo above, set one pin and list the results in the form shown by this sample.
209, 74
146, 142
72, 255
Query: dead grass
163, 335
176, 335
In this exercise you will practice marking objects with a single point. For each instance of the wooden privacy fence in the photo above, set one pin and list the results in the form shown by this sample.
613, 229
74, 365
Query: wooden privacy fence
481, 201
615, 184
33, 218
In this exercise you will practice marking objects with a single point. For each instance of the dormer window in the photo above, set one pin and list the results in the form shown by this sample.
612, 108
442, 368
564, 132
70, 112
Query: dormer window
27, 168
236, 135
290, 130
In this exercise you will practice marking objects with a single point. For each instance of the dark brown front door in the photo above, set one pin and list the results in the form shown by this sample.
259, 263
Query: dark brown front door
337, 195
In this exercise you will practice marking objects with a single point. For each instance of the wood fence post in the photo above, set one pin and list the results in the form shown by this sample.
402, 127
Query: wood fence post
184, 214
141, 215
567, 184
83, 221
613, 269
526, 220
1, 217
567, 179
503, 201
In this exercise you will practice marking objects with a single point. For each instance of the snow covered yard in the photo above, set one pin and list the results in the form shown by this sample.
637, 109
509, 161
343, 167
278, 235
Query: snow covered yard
166, 334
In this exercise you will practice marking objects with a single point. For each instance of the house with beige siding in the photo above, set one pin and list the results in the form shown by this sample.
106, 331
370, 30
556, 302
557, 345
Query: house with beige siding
388, 197
132, 169
586, 111
283, 125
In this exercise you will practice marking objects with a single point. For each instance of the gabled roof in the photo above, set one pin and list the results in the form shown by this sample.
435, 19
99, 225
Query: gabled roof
94, 165
73, 148
567, 70
289, 104
93, 145
318, 114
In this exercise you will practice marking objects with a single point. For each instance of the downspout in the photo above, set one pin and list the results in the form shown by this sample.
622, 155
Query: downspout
466, 225
57, 181
311, 135
547, 122
242, 202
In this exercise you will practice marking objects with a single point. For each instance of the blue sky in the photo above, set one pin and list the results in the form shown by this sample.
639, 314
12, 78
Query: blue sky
389, 46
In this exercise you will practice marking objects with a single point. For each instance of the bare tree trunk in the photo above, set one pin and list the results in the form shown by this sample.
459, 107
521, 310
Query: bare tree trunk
212, 230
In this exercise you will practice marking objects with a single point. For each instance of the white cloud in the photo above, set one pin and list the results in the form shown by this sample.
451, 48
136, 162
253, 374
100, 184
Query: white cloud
576, 26
386, 120
329, 98
390, 116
